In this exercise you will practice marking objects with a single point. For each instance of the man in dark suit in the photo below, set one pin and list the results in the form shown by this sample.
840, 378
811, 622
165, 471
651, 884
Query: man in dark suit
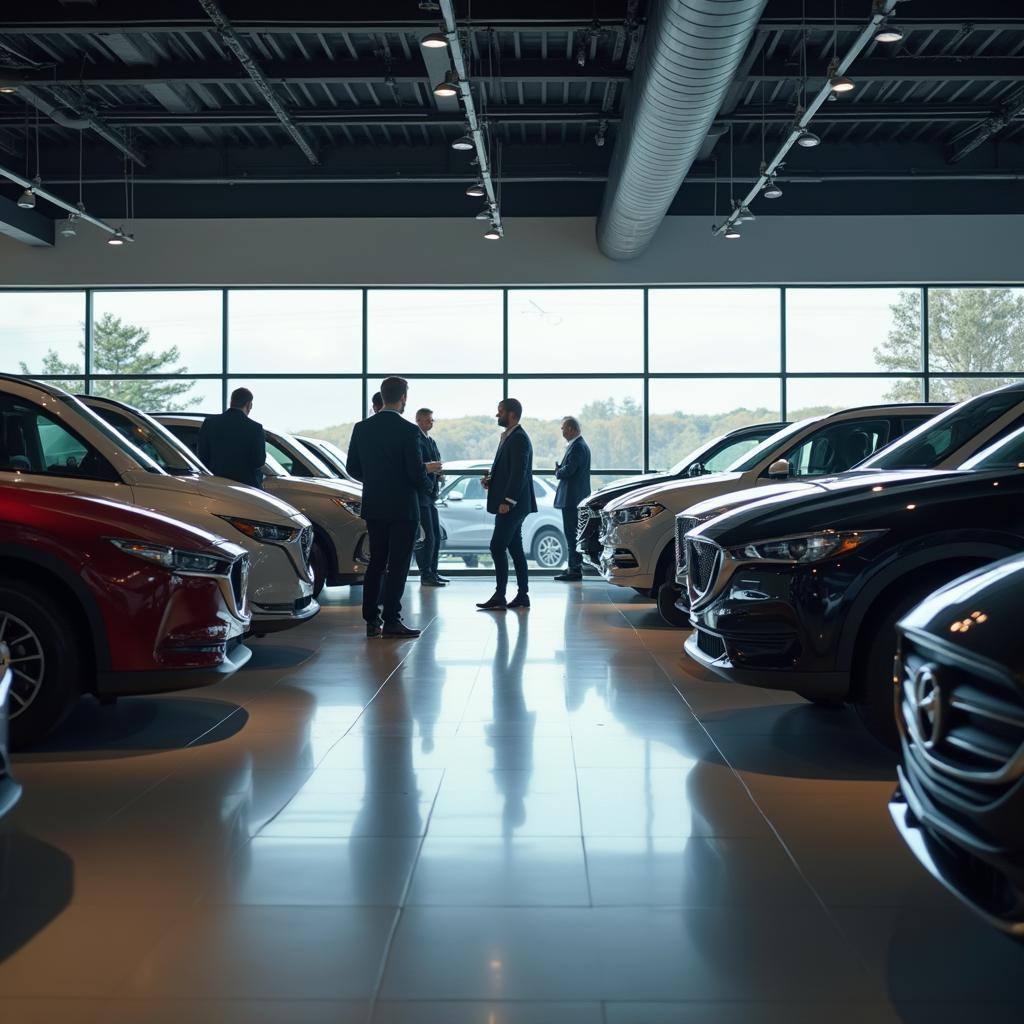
376, 403
573, 475
233, 445
510, 498
429, 551
384, 453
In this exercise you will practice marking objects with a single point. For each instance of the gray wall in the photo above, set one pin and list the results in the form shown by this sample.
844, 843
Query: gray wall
774, 250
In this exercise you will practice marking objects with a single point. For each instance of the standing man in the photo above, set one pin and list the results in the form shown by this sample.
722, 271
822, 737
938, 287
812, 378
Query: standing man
384, 453
376, 403
573, 475
510, 498
232, 444
428, 554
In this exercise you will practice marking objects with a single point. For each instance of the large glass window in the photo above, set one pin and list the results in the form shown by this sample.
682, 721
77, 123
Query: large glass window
853, 330
465, 424
714, 330
42, 333
685, 413
295, 331
323, 408
571, 330
162, 395
421, 331
809, 396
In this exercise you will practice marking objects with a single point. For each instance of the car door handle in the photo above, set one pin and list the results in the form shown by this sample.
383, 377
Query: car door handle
479, 504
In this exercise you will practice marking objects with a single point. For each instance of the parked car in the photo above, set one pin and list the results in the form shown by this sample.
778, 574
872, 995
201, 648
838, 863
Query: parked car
340, 550
99, 597
712, 456
330, 454
50, 439
947, 441
802, 591
638, 529
9, 788
466, 525
960, 712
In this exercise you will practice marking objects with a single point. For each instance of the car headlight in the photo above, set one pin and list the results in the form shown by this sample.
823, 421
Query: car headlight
352, 505
175, 559
808, 547
267, 532
637, 513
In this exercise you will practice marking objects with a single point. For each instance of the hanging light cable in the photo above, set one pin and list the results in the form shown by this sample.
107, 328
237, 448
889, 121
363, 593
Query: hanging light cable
837, 83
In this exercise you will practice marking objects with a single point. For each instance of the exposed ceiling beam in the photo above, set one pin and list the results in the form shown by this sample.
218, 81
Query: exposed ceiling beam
904, 69
234, 42
25, 226
335, 72
971, 139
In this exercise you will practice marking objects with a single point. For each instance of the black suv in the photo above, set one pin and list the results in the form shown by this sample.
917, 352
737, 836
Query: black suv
711, 457
960, 712
802, 591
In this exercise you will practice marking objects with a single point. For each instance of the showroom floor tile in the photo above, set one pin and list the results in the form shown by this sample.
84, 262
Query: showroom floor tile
516, 819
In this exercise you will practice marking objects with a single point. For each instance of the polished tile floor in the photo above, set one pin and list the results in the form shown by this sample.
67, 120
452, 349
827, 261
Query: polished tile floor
519, 818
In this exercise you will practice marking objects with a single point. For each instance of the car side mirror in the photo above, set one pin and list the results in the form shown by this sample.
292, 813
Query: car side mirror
697, 469
455, 496
779, 469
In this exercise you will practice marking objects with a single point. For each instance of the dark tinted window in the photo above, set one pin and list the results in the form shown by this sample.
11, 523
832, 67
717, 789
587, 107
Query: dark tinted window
1009, 454
188, 434
835, 448
158, 448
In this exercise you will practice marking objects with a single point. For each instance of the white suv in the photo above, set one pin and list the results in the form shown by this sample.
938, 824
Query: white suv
638, 529
341, 546
50, 438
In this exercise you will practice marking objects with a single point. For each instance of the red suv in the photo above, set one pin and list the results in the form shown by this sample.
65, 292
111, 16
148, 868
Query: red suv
103, 598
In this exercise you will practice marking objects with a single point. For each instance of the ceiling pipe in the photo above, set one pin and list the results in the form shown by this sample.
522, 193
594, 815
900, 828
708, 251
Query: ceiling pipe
691, 53
70, 208
476, 127
881, 10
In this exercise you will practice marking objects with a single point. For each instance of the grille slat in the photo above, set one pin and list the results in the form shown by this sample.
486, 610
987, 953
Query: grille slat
684, 524
702, 564
709, 644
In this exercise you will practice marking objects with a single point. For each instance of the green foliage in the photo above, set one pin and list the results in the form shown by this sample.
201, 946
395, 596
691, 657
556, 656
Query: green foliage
970, 330
119, 348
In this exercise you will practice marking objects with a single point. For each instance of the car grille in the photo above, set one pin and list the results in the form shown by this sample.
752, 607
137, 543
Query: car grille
702, 561
588, 531
240, 581
965, 728
306, 539
709, 644
684, 524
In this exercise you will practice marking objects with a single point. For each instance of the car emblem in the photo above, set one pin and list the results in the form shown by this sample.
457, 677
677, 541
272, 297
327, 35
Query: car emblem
929, 707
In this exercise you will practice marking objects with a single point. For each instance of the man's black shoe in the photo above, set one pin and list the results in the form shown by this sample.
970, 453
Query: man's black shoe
431, 581
400, 630
495, 602
443, 579
569, 577
372, 630
521, 600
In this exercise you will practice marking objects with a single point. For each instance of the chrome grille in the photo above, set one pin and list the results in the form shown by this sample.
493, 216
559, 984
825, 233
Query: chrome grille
306, 539
584, 517
966, 724
240, 581
684, 524
701, 564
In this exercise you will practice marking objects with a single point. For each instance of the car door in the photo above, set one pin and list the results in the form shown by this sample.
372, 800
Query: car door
462, 509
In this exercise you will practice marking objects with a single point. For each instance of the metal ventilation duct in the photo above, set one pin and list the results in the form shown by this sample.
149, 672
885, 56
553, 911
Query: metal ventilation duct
690, 55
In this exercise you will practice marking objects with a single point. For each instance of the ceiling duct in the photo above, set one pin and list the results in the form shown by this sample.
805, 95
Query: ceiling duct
691, 53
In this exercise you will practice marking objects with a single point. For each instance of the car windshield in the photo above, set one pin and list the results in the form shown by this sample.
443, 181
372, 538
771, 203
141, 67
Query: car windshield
1007, 454
696, 455
751, 459
112, 435
154, 439
272, 467
937, 438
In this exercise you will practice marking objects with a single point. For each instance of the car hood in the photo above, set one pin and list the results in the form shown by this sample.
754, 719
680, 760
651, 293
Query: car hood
169, 494
821, 504
601, 497
679, 494
722, 503
317, 487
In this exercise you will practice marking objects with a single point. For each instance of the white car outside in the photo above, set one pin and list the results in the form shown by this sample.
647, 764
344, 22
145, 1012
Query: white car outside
341, 547
54, 441
638, 529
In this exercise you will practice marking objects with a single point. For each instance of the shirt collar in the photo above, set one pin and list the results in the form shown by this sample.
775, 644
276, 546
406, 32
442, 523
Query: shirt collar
573, 441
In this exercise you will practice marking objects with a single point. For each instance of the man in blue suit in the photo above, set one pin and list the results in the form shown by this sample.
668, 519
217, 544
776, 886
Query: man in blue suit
384, 453
573, 475
510, 499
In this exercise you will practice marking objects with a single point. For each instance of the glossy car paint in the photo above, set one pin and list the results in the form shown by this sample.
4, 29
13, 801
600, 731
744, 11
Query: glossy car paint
329, 503
798, 625
330, 454
642, 554
960, 713
281, 588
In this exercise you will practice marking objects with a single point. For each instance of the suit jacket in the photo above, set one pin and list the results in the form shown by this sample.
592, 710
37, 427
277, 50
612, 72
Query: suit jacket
234, 446
429, 452
512, 474
384, 453
573, 475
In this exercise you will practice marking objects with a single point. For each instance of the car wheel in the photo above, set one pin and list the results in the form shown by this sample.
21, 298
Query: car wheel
318, 563
45, 659
549, 549
668, 594
471, 561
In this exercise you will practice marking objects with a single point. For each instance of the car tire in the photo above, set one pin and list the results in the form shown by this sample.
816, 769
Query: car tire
668, 594
549, 549
318, 563
470, 561
49, 679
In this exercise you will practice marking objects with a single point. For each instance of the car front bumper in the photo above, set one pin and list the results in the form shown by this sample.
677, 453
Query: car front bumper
164, 680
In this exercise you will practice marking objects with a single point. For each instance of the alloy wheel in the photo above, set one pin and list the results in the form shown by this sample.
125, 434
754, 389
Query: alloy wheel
550, 552
28, 662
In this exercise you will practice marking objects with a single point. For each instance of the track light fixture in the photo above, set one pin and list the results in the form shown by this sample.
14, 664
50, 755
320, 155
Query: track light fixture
434, 41
449, 87
484, 214
67, 228
837, 82
6, 88
807, 139
732, 231
464, 143
476, 190
772, 190
744, 216
27, 199
888, 34
493, 234
117, 238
